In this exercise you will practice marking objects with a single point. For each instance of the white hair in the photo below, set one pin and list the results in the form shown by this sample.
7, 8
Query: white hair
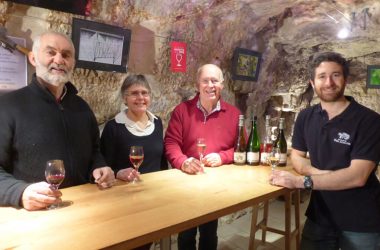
37, 40
200, 70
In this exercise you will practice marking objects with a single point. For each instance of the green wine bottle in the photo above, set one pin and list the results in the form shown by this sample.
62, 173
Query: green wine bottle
253, 146
281, 143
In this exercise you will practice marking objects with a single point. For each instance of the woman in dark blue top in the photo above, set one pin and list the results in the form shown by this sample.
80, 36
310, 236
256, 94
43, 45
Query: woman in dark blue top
134, 126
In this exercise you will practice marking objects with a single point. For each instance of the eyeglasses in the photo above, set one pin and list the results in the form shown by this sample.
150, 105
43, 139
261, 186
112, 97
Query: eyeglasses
136, 93
213, 81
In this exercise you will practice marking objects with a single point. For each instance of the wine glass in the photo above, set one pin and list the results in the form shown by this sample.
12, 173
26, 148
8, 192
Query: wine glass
54, 174
136, 156
273, 157
201, 147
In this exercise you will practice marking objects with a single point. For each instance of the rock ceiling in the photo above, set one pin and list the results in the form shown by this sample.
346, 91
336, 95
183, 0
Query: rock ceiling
286, 32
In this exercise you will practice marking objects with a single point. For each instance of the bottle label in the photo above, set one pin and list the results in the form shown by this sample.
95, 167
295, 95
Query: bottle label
239, 157
253, 157
283, 157
263, 160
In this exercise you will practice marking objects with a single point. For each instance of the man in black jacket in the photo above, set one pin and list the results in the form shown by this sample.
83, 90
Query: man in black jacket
47, 120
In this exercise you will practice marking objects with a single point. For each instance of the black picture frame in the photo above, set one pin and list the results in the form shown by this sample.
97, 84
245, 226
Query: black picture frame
100, 46
373, 76
246, 64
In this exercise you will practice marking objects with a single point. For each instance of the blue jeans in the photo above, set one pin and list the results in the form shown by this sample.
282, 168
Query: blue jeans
208, 239
315, 237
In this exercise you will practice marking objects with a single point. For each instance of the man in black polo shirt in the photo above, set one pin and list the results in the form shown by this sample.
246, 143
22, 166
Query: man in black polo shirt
343, 141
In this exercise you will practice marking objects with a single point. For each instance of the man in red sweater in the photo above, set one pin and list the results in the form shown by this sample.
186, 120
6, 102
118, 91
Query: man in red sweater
205, 116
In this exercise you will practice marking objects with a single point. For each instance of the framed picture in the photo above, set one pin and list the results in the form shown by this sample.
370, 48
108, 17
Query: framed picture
246, 64
100, 46
13, 65
373, 76
80, 7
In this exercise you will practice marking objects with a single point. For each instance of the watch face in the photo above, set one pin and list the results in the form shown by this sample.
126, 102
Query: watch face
308, 183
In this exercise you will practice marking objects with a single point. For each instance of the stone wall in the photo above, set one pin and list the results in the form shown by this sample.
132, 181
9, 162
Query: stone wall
286, 32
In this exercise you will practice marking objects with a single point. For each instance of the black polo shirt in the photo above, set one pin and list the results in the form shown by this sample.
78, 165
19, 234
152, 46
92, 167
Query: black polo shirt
332, 144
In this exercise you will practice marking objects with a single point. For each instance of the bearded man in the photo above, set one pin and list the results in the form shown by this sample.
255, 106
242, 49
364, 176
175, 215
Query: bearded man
343, 141
47, 120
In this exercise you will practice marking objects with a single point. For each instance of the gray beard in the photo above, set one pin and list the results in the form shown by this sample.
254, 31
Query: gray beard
53, 79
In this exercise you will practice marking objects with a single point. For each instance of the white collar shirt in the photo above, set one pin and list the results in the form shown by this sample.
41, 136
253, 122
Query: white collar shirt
133, 127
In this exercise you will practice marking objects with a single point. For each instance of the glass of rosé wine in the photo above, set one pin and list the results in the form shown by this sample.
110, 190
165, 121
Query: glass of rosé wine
54, 174
136, 156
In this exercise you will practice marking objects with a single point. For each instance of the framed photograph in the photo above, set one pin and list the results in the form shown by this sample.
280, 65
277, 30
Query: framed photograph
373, 76
100, 46
246, 64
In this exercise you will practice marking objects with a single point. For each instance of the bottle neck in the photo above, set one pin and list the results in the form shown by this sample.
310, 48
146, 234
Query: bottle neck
240, 130
268, 133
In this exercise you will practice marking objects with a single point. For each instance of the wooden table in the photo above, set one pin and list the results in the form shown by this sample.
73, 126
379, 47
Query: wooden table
129, 215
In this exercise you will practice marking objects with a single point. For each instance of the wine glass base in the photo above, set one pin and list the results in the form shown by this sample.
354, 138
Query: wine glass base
59, 205
136, 181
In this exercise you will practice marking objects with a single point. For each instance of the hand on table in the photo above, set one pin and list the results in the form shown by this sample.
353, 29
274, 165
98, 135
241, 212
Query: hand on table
39, 195
128, 174
285, 179
212, 160
104, 177
191, 166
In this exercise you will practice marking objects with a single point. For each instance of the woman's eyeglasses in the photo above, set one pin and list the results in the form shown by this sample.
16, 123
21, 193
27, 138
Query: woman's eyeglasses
136, 94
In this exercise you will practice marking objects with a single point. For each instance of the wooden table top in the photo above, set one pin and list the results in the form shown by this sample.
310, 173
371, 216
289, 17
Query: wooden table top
129, 215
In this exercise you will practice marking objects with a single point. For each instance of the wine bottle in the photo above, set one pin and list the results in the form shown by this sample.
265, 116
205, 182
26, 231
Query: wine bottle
239, 153
253, 146
281, 143
266, 145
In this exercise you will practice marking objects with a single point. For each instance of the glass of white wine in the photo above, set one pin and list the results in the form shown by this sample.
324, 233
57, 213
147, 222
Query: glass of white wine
273, 157
201, 147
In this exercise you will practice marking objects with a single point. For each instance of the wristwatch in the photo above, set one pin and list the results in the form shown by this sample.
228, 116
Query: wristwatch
308, 183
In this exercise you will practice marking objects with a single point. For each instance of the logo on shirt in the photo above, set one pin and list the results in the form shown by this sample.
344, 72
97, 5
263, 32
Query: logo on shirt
343, 138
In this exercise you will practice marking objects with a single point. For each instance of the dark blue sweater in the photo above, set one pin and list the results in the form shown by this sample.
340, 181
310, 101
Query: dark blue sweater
35, 128
116, 141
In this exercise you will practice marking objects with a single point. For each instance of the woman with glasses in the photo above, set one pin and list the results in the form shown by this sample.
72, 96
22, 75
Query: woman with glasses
134, 126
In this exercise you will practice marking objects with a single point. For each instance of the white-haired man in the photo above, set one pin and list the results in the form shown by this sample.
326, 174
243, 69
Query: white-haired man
47, 120
205, 116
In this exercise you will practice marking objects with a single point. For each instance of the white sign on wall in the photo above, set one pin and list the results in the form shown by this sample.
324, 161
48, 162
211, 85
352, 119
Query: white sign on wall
13, 67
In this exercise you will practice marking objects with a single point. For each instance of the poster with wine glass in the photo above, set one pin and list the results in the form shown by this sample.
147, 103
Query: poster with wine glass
178, 56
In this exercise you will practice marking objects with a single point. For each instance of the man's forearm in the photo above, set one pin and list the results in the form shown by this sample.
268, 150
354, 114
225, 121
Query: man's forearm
303, 166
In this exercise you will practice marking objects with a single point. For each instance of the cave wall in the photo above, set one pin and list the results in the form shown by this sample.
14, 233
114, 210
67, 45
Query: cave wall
286, 32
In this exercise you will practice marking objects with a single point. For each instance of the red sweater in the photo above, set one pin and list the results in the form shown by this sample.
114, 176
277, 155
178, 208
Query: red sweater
187, 123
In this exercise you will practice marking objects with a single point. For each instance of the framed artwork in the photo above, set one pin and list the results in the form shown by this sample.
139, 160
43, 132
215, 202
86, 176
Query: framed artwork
13, 64
100, 46
246, 64
373, 76
79, 7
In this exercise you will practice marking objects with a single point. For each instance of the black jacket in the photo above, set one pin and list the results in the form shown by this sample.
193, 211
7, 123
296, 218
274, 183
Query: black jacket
35, 128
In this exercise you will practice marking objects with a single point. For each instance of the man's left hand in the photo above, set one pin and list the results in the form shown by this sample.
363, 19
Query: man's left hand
212, 160
104, 177
285, 179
